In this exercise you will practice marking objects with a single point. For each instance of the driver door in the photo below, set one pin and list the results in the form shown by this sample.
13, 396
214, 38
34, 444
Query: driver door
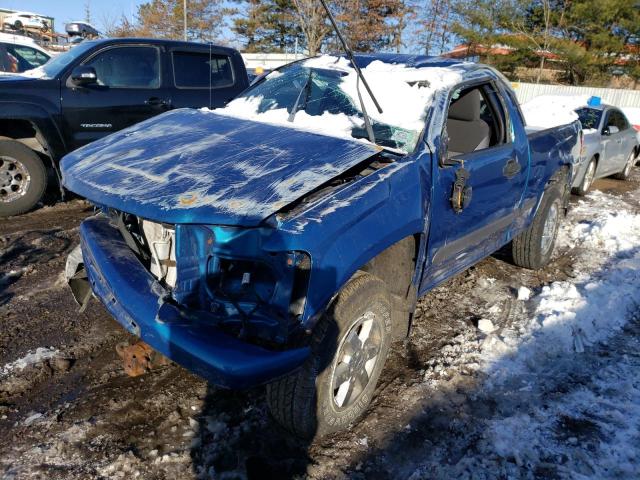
129, 89
480, 181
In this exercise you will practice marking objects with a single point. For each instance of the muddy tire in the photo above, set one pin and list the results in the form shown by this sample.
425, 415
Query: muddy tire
587, 180
23, 178
348, 349
626, 171
533, 247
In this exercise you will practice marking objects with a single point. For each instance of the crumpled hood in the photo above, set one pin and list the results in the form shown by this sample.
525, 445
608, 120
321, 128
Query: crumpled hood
192, 166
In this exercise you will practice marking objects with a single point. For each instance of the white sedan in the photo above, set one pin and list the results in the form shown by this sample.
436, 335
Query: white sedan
21, 20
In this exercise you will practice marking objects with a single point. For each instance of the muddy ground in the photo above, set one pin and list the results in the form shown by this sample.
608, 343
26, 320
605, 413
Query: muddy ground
77, 415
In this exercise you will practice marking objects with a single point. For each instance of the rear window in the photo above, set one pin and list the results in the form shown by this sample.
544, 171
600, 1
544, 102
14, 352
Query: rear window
589, 117
201, 70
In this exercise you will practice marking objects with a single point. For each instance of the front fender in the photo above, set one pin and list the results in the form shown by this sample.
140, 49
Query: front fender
344, 232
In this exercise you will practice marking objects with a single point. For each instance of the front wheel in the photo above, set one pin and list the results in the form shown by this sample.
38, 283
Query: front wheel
626, 171
533, 247
348, 349
23, 178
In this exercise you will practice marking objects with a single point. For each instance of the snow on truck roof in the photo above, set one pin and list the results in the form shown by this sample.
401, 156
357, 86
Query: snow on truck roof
404, 85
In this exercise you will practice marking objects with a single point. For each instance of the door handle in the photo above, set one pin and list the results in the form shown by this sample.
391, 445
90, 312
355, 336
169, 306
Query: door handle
511, 168
156, 102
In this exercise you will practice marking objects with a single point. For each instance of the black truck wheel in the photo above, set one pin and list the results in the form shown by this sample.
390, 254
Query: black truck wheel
533, 247
23, 178
348, 349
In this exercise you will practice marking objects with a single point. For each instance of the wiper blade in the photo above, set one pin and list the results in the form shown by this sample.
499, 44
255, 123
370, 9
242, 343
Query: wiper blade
306, 89
367, 121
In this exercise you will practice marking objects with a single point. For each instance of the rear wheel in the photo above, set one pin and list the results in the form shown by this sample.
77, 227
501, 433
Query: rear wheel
533, 248
17, 25
587, 180
348, 349
23, 178
626, 171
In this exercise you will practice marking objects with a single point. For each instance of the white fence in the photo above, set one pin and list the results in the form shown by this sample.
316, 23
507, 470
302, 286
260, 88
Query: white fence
618, 97
269, 60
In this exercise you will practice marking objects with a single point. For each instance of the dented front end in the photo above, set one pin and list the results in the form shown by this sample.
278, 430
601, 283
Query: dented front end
230, 309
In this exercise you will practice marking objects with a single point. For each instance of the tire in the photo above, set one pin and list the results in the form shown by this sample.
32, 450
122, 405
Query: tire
23, 178
533, 248
17, 25
626, 171
587, 180
313, 402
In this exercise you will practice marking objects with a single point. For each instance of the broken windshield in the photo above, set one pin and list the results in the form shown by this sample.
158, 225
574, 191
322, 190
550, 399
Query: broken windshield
317, 92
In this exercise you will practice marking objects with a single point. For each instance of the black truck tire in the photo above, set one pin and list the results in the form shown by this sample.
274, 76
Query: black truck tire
314, 401
625, 174
23, 178
533, 247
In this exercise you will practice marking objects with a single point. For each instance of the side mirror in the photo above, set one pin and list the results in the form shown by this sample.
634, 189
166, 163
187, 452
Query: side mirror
83, 75
610, 130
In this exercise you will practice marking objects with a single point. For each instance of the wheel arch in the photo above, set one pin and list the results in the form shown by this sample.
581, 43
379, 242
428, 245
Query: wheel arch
396, 267
37, 133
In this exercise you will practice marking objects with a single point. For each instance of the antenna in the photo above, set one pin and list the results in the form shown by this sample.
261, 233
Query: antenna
350, 55
210, 83
367, 121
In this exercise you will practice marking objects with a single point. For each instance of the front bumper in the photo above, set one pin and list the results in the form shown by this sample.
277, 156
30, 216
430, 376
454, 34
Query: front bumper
138, 302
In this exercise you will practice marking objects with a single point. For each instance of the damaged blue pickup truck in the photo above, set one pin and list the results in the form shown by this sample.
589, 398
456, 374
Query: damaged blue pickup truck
284, 239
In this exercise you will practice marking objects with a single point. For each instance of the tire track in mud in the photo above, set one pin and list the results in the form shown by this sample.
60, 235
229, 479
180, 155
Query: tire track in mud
88, 419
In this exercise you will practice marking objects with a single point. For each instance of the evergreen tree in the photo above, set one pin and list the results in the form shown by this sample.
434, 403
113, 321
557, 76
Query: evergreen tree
268, 26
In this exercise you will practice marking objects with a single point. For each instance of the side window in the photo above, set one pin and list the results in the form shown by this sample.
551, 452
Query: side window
127, 67
620, 121
611, 119
28, 57
201, 70
475, 120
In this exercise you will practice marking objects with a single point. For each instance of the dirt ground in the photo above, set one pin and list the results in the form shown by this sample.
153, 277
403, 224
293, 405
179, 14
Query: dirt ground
77, 415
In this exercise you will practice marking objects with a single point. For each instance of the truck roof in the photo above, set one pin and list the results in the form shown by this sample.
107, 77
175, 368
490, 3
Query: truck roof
412, 61
159, 41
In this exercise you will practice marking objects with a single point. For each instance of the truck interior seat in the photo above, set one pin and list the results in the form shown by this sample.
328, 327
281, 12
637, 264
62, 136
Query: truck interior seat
467, 131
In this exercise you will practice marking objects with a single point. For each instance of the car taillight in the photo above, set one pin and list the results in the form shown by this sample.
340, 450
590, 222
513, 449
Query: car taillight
637, 127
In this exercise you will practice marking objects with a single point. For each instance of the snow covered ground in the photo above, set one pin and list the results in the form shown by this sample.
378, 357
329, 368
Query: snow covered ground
508, 373
568, 329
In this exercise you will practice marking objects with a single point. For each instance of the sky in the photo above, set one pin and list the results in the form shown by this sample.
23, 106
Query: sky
64, 11
102, 12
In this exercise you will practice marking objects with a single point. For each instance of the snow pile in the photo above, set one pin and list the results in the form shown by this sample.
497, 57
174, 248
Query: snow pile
331, 124
547, 111
40, 355
404, 94
570, 315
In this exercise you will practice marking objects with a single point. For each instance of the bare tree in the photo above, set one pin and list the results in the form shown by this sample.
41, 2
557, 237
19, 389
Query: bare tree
540, 34
313, 22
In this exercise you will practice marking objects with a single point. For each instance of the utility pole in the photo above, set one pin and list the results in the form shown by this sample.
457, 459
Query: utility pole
184, 18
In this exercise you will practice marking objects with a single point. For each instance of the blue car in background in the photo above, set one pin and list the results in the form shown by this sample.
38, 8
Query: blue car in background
611, 145
277, 241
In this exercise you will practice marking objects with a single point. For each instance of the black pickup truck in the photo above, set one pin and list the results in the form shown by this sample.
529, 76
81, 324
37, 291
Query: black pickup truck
93, 90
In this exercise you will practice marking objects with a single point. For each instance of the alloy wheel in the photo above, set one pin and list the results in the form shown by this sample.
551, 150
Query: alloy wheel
355, 361
14, 179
